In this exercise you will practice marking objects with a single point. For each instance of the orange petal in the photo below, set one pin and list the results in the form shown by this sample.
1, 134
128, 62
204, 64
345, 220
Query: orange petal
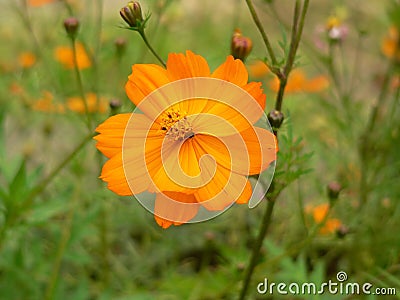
232, 70
180, 66
262, 147
173, 208
221, 119
145, 78
247, 153
246, 194
255, 90
113, 174
223, 190
109, 141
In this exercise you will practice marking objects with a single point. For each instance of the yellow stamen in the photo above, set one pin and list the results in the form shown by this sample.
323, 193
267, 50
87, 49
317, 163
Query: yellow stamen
176, 125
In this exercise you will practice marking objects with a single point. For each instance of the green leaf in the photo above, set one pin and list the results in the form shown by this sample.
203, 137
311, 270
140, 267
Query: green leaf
19, 185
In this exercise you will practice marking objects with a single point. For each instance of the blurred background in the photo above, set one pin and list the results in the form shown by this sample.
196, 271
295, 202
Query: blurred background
63, 235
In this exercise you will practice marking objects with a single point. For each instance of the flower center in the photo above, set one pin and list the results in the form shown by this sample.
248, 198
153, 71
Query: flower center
176, 125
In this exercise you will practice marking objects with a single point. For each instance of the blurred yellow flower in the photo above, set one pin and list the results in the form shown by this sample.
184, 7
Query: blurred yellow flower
319, 213
258, 69
94, 104
26, 59
46, 104
39, 2
65, 56
390, 44
298, 82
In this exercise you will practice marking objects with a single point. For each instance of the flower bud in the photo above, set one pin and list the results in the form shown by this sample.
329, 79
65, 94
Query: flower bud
240, 45
120, 46
334, 189
115, 105
132, 13
342, 231
275, 118
71, 26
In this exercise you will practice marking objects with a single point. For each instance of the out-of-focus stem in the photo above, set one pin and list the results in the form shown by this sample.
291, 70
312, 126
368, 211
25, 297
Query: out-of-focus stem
262, 32
266, 221
80, 84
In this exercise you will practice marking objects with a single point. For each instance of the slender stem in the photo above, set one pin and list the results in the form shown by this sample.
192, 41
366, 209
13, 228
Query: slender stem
293, 43
143, 35
266, 221
365, 137
262, 31
23, 12
103, 231
44, 183
297, 30
68, 7
65, 237
80, 84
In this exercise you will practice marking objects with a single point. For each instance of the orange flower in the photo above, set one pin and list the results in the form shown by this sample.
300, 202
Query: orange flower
390, 45
26, 59
193, 144
46, 104
16, 89
297, 82
258, 69
65, 56
77, 104
39, 2
319, 213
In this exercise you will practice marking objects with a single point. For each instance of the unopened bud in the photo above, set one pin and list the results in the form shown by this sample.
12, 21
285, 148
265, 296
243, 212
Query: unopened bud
342, 231
115, 105
240, 45
334, 189
120, 45
275, 118
209, 236
71, 26
240, 266
132, 13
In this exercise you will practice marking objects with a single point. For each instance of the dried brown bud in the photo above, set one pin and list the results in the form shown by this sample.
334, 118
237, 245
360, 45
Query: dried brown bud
240, 45
71, 26
132, 13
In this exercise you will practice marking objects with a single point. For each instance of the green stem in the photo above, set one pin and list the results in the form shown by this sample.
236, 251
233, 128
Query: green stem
266, 221
68, 7
369, 129
80, 84
297, 30
65, 237
103, 232
262, 32
143, 35
44, 183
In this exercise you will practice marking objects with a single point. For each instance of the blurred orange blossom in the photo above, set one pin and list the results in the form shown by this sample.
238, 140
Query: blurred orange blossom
65, 56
